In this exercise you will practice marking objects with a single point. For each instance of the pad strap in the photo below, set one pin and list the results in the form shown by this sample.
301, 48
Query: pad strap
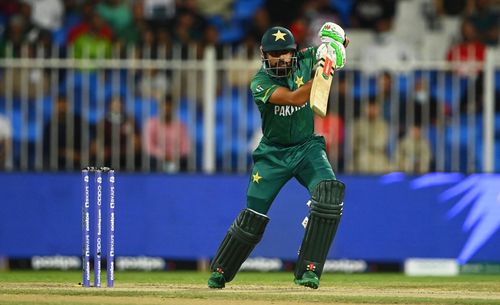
324, 217
241, 238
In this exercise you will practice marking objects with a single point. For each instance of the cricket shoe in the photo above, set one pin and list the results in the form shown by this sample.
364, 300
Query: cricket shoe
309, 279
216, 280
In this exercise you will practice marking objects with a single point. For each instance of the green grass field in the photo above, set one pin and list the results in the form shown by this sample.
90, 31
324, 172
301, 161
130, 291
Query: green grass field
58, 287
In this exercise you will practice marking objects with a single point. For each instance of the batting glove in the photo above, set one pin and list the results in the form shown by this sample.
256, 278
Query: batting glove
335, 50
331, 32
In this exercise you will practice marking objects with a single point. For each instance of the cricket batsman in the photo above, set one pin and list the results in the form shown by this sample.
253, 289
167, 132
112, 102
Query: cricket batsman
288, 149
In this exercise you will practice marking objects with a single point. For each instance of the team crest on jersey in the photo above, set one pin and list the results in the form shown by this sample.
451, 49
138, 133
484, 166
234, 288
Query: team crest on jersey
286, 110
299, 81
259, 88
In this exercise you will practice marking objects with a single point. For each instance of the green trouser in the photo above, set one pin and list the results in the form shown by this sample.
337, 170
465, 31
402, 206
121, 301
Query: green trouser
275, 165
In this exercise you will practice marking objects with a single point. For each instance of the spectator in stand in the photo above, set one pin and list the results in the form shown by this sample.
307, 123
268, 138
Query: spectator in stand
437, 13
164, 40
47, 14
247, 53
414, 149
210, 38
117, 140
185, 31
155, 44
345, 104
87, 13
166, 139
118, 15
159, 11
92, 37
44, 44
153, 83
472, 100
486, 19
133, 31
385, 96
367, 13
31, 32
27, 81
469, 54
189, 24
425, 100
147, 44
15, 36
5, 141
62, 137
74, 8
370, 141
393, 106
10, 46
259, 25
386, 52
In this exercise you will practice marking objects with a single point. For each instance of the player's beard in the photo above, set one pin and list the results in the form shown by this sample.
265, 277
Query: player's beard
283, 68
280, 67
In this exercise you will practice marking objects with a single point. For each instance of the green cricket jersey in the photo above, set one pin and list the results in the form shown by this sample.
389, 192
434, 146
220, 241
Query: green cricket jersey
284, 124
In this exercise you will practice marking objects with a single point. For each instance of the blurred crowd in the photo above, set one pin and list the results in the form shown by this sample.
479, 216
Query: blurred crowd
165, 22
108, 28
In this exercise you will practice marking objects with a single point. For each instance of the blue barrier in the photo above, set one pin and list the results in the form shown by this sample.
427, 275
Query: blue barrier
386, 218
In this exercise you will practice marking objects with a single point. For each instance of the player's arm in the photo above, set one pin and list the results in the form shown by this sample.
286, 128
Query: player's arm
285, 96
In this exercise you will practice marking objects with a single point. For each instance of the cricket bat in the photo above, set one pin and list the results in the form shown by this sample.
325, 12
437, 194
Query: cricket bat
321, 85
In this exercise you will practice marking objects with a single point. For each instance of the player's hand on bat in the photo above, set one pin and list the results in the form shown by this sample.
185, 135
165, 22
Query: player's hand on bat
335, 51
334, 41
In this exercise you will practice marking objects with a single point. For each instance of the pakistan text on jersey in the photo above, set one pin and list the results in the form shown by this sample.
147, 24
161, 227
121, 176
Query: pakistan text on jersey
286, 110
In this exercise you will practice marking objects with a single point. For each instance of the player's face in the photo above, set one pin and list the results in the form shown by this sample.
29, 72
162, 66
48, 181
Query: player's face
281, 60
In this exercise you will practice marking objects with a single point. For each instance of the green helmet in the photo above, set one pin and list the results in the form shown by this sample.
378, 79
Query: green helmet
278, 39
